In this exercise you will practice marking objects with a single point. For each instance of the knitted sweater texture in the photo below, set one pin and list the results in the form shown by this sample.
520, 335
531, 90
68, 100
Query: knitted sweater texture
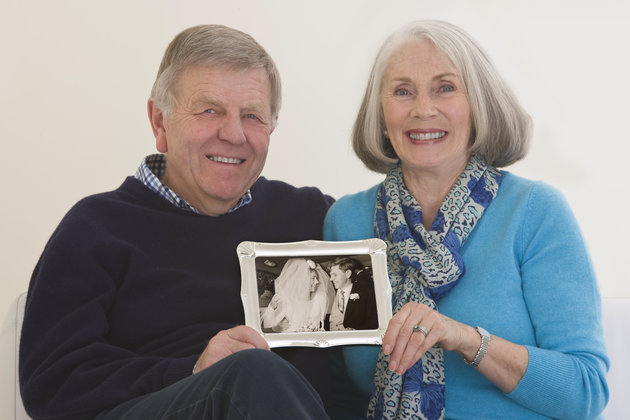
129, 290
528, 280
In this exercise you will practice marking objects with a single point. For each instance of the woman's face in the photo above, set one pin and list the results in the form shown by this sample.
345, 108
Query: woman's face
426, 110
314, 281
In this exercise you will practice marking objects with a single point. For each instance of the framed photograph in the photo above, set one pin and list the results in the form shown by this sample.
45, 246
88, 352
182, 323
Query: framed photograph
316, 293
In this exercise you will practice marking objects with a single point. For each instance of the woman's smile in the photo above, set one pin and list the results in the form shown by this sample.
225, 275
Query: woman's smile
426, 135
425, 104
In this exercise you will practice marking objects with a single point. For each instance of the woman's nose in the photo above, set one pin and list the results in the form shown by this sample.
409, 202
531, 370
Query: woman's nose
423, 106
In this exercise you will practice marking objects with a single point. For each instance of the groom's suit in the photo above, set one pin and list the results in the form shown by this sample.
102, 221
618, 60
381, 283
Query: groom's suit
360, 312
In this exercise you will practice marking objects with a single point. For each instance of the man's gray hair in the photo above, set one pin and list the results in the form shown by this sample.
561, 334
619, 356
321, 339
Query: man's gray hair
501, 128
212, 46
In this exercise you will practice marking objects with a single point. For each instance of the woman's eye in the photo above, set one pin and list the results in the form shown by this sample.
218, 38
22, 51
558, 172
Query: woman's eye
447, 88
401, 92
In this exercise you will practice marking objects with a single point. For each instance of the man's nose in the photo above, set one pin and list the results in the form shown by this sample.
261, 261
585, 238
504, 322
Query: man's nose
231, 129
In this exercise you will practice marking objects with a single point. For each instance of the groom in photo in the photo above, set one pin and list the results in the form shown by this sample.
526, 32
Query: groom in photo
354, 307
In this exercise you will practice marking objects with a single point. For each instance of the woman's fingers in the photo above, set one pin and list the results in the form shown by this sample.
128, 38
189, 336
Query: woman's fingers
412, 344
418, 344
393, 329
406, 345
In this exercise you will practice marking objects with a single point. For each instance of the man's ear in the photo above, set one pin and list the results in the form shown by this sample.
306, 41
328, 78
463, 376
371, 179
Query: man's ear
348, 273
274, 125
156, 118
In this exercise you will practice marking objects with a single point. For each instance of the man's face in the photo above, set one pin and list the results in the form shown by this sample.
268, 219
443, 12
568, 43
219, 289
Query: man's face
217, 136
339, 278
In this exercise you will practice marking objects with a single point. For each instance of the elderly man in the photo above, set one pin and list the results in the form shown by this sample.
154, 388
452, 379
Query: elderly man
134, 308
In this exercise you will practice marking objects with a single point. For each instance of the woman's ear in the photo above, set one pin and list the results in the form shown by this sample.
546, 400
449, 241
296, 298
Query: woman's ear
156, 118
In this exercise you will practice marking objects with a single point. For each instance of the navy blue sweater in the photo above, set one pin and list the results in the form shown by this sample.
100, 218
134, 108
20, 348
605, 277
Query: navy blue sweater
129, 290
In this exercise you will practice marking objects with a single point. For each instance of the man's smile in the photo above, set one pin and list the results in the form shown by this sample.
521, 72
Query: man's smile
222, 159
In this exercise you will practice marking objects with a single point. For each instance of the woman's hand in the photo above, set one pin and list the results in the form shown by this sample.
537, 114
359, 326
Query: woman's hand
227, 342
504, 364
406, 346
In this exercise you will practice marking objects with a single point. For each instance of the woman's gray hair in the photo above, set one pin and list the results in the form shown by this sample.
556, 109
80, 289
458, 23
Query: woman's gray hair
501, 128
212, 46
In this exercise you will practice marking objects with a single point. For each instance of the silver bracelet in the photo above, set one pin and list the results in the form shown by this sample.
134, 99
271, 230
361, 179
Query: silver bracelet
483, 348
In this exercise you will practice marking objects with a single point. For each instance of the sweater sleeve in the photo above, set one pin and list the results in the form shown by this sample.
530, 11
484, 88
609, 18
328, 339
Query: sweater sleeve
70, 367
351, 217
566, 375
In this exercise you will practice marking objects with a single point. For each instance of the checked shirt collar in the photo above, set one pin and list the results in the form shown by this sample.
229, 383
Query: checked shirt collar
152, 170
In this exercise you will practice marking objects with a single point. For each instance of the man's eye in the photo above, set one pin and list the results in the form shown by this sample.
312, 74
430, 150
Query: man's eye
251, 116
210, 111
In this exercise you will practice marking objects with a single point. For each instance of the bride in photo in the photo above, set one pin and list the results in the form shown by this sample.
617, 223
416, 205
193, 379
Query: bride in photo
303, 296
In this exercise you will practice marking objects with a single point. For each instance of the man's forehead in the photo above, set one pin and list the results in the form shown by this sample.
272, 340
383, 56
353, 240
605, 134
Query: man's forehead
224, 73
217, 83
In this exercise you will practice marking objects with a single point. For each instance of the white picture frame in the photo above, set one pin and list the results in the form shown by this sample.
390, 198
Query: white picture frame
260, 262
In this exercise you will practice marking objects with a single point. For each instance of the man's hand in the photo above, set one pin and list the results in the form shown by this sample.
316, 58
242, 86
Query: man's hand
227, 342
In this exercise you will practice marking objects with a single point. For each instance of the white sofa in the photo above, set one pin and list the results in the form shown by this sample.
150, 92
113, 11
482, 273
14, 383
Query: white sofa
616, 315
10, 402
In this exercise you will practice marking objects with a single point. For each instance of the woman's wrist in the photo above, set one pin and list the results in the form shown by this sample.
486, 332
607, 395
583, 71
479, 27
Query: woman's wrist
470, 343
483, 348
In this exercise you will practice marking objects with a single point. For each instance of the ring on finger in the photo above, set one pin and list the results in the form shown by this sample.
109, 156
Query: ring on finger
421, 328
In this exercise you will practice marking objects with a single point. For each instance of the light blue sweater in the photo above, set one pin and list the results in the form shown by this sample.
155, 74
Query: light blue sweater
528, 280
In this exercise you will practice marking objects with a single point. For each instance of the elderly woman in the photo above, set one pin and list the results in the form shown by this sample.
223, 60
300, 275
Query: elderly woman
497, 311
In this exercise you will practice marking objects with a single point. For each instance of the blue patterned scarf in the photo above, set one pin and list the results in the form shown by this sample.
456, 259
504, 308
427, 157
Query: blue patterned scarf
424, 266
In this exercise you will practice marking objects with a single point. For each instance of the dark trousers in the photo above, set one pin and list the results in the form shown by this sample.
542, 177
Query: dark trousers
250, 384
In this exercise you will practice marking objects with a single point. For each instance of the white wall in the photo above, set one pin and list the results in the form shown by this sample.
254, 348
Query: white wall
76, 74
